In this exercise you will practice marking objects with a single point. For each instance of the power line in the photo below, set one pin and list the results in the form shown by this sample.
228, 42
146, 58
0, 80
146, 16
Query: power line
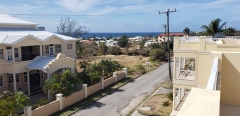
169, 60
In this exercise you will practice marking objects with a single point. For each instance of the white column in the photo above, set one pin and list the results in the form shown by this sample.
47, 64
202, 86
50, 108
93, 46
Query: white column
49, 96
184, 59
180, 94
14, 82
28, 110
40, 50
115, 76
174, 97
13, 55
28, 79
60, 99
85, 90
174, 68
102, 81
179, 61
125, 71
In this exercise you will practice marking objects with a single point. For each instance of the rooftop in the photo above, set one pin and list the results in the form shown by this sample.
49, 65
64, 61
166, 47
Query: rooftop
7, 19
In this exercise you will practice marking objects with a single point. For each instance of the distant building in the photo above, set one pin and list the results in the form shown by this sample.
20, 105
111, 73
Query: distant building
162, 36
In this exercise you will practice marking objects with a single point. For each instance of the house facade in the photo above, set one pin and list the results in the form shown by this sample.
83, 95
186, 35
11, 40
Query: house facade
206, 76
28, 56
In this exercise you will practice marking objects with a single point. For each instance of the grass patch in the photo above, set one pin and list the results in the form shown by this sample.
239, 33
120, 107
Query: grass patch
92, 98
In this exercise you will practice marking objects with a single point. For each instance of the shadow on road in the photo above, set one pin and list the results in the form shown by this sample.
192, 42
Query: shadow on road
95, 104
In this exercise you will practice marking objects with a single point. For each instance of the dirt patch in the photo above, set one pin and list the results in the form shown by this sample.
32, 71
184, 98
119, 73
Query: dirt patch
160, 105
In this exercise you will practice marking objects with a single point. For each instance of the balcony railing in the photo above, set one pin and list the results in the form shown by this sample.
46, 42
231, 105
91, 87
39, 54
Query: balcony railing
186, 71
212, 81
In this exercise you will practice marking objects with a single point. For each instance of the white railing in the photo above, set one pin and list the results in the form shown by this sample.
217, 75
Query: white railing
179, 97
186, 73
208, 38
212, 81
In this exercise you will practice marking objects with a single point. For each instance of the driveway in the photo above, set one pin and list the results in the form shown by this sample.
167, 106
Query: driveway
128, 96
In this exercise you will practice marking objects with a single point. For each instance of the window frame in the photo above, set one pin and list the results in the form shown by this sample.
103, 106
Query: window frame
10, 78
46, 49
25, 79
16, 56
58, 50
1, 81
17, 78
1, 54
69, 46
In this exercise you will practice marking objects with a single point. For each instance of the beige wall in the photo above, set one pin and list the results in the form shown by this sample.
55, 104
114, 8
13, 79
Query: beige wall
187, 45
120, 75
204, 69
53, 40
94, 88
108, 81
27, 42
73, 98
230, 79
47, 109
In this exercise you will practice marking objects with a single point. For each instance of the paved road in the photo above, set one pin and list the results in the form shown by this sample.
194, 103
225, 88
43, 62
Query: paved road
112, 105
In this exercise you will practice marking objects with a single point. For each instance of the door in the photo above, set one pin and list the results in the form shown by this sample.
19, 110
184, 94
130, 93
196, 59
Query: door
35, 80
9, 55
51, 49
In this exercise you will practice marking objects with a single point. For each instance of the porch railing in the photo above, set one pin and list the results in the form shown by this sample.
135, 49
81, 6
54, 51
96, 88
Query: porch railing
212, 81
186, 71
179, 97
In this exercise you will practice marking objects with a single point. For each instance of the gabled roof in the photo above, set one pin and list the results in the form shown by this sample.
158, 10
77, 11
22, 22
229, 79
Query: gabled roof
13, 39
7, 19
41, 63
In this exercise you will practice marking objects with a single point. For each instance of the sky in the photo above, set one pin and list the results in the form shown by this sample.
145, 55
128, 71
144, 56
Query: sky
125, 15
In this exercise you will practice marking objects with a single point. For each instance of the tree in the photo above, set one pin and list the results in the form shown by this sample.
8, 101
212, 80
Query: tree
64, 83
123, 41
102, 48
92, 72
214, 27
155, 46
71, 27
186, 30
79, 49
114, 50
229, 31
157, 54
12, 102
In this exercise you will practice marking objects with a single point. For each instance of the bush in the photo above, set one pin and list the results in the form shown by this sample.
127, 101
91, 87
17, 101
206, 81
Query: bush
140, 69
133, 52
123, 41
114, 50
166, 103
41, 102
170, 96
157, 55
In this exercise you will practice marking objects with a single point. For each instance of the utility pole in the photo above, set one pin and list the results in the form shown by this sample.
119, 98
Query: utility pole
169, 60
165, 26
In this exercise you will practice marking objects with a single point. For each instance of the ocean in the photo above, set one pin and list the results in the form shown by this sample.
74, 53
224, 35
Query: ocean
128, 34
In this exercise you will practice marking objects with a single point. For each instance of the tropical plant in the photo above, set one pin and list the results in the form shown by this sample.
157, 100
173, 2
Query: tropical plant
64, 83
108, 66
41, 102
123, 41
230, 31
186, 30
12, 102
214, 27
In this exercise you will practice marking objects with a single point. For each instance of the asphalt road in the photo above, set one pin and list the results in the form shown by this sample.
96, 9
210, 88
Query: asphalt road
117, 103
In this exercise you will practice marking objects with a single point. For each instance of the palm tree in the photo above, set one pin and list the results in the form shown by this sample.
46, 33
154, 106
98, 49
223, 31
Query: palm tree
186, 30
214, 27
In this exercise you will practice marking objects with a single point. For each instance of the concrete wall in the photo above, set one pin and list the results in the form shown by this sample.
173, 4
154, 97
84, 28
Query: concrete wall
230, 79
204, 69
47, 109
120, 75
73, 98
187, 45
94, 88
108, 81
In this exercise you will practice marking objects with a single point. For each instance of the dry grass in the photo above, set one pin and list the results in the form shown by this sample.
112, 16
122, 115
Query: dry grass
156, 105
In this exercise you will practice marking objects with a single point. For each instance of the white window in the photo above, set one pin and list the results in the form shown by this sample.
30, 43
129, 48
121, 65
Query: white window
69, 46
16, 52
58, 48
46, 49
17, 77
9, 53
1, 81
25, 77
1, 54
10, 78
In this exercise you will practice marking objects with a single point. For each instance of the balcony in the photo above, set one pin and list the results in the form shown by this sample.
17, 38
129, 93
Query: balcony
186, 70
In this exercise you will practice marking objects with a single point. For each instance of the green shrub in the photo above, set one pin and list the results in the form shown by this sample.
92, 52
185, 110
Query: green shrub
140, 69
166, 103
41, 102
157, 55
170, 96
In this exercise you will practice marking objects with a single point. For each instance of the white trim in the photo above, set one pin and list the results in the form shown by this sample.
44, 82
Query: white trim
54, 36
31, 36
186, 51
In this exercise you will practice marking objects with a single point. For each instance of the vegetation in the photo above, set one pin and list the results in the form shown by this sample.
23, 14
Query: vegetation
166, 103
41, 102
12, 102
102, 49
229, 31
157, 55
140, 69
123, 41
213, 27
186, 31
71, 27
114, 50
64, 83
